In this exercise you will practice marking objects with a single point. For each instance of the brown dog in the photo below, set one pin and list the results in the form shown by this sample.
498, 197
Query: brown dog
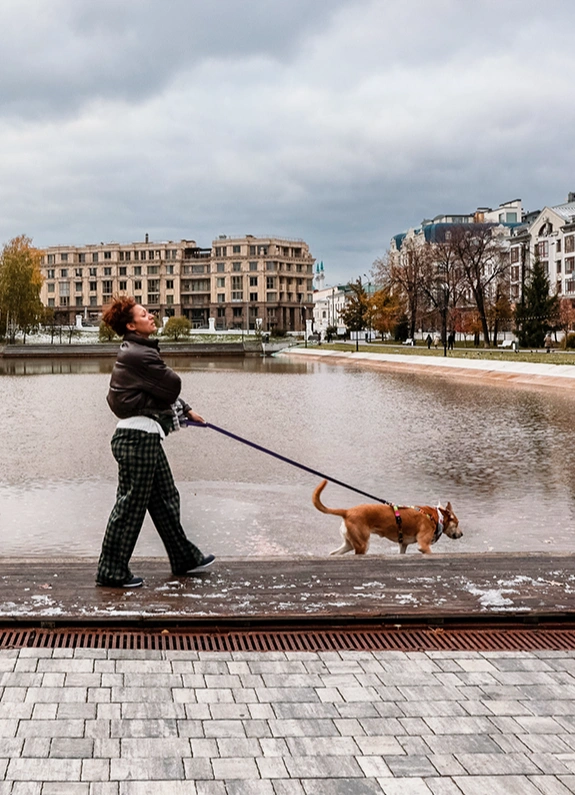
405, 525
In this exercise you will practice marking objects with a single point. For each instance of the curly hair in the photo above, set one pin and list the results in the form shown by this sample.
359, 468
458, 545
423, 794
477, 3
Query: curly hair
119, 313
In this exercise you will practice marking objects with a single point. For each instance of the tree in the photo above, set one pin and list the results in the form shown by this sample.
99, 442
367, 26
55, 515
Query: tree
403, 272
483, 263
441, 281
566, 320
385, 310
538, 311
20, 283
177, 328
353, 315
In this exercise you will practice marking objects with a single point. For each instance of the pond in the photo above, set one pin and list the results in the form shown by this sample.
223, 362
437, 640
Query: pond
503, 455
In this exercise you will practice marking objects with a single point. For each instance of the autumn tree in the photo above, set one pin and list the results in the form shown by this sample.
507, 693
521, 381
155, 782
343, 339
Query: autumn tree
566, 319
385, 310
20, 283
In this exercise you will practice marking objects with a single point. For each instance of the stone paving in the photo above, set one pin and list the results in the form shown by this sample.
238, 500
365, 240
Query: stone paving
85, 722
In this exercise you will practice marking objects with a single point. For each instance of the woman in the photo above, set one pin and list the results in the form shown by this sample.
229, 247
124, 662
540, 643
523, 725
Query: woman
144, 395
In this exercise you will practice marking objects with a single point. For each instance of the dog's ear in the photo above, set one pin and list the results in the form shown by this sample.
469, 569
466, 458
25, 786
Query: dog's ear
449, 508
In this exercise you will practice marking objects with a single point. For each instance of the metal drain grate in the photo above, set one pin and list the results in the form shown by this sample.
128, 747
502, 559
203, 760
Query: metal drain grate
424, 639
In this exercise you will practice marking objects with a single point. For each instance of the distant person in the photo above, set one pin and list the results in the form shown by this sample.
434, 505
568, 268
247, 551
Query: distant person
451, 340
428, 341
144, 395
548, 343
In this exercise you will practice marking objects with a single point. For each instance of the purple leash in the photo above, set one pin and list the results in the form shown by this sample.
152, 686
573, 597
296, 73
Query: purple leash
283, 458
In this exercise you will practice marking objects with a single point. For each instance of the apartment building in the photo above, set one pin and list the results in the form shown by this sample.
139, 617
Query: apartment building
241, 282
547, 236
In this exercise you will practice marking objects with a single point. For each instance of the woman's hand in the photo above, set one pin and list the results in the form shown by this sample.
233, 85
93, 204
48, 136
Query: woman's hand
196, 417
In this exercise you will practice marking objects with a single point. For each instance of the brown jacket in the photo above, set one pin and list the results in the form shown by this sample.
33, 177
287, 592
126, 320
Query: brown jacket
141, 382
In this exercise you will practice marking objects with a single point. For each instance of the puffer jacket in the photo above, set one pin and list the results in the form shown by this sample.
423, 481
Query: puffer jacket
141, 382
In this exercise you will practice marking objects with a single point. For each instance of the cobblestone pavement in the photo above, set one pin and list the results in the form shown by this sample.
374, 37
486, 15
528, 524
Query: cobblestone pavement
81, 722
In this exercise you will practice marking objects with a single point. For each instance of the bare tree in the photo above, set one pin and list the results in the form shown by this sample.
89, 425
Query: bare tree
442, 282
402, 271
484, 263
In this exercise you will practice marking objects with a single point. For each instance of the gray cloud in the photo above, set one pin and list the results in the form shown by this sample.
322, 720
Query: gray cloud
339, 122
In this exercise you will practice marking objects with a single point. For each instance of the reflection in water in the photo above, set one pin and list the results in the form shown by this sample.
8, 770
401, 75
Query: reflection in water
501, 454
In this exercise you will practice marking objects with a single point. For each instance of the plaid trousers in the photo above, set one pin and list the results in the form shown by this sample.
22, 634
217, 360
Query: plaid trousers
145, 483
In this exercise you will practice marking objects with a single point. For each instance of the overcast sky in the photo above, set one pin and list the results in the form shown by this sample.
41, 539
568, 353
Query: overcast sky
341, 122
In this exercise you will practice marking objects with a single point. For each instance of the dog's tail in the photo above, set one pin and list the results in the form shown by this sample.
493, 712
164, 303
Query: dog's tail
321, 507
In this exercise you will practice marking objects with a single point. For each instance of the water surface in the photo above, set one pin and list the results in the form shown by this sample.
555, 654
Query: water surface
503, 455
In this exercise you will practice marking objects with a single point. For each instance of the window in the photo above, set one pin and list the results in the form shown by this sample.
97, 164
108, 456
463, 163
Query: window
153, 298
121, 256
237, 288
169, 269
123, 286
127, 255
153, 285
64, 300
137, 285
271, 297
270, 282
64, 273
93, 287
253, 281
81, 258
221, 282
198, 269
221, 298
153, 269
79, 300
253, 266
558, 266
123, 271
169, 299
236, 266
237, 311
93, 300
220, 267
270, 266
64, 288
569, 264
78, 272
107, 255
95, 256
252, 251
515, 254
542, 249
515, 273
107, 286
138, 299
50, 287
236, 249
558, 248
51, 259
200, 285
137, 270
63, 258
107, 271
51, 302
78, 287
570, 286
150, 254
93, 271
137, 255
51, 273
253, 296
569, 244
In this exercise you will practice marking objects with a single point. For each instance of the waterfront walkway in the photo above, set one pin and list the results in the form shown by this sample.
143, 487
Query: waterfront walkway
519, 372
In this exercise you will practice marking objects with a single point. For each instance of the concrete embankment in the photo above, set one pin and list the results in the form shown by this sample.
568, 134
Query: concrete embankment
110, 349
510, 372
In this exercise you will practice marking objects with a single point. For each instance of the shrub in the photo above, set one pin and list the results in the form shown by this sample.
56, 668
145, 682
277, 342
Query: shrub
177, 328
106, 334
570, 340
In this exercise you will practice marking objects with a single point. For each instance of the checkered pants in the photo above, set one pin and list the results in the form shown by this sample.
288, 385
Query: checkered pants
145, 482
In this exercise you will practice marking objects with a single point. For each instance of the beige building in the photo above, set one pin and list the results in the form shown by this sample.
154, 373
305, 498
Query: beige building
242, 282
264, 282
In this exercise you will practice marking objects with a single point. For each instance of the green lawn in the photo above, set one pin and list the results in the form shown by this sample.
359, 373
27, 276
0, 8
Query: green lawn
486, 354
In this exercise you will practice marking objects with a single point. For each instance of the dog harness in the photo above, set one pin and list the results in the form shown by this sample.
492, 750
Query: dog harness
438, 522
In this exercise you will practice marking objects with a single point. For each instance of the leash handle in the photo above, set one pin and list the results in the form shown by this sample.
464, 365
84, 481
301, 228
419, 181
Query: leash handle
283, 458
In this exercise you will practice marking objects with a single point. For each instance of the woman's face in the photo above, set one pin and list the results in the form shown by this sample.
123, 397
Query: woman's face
142, 321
